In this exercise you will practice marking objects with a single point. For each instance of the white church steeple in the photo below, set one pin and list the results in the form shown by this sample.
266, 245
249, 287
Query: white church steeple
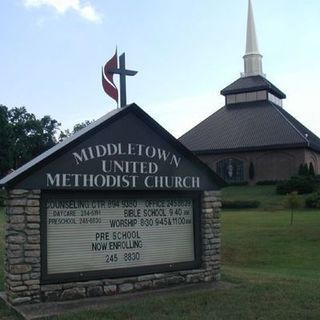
252, 57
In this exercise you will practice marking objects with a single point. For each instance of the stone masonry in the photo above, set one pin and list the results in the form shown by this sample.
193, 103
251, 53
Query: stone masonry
22, 239
22, 261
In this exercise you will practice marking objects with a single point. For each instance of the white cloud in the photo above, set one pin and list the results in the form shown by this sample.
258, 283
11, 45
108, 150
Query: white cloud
86, 10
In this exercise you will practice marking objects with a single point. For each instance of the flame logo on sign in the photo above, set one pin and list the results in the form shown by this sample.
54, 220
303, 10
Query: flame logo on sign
107, 78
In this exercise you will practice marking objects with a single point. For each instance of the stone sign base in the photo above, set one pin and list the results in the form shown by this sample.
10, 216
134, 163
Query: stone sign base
23, 258
108, 287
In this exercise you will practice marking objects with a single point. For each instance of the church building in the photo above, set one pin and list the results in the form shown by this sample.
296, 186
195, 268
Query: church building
253, 138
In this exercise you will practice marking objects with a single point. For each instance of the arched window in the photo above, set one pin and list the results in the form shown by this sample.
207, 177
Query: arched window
231, 170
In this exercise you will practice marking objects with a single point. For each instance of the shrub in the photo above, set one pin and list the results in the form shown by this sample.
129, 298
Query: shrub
238, 184
313, 201
267, 183
303, 170
311, 170
1, 200
240, 204
292, 202
300, 184
251, 171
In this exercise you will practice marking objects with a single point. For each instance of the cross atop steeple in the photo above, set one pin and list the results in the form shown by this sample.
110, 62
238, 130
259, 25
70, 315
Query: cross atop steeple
252, 57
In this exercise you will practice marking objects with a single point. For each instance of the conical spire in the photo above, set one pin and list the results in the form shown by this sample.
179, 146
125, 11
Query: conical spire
252, 42
252, 58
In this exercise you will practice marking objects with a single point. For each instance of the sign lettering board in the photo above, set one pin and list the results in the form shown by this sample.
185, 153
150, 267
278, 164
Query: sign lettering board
102, 234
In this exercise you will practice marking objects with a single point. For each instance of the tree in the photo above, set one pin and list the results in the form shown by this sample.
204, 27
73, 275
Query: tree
251, 171
77, 127
311, 170
6, 152
293, 201
303, 170
23, 136
31, 136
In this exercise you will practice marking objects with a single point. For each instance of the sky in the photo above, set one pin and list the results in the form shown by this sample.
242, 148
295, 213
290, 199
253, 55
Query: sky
185, 52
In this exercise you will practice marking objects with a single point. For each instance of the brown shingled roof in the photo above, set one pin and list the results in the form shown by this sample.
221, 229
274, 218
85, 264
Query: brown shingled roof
250, 84
249, 126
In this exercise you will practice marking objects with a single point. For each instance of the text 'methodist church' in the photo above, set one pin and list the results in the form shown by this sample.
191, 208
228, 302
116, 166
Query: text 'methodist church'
253, 129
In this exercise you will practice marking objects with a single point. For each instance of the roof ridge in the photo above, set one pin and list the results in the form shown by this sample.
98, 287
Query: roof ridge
290, 123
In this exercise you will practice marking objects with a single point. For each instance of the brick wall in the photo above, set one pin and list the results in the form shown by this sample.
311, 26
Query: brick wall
273, 165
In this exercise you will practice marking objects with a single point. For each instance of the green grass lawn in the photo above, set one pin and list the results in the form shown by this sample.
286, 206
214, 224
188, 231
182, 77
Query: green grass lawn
274, 266
266, 242
266, 195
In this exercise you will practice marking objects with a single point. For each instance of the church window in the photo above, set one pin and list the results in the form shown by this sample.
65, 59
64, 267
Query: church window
231, 99
274, 99
241, 97
252, 96
231, 170
247, 97
261, 95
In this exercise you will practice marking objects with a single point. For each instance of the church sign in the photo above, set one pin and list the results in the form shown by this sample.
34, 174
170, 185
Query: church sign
122, 198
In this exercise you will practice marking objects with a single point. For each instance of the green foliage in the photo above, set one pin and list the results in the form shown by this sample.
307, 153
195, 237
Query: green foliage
313, 201
303, 170
6, 146
23, 137
300, 171
77, 127
267, 183
240, 204
238, 184
293, 201
300, 184
251, 171
2, 198
311, 170
266, 195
